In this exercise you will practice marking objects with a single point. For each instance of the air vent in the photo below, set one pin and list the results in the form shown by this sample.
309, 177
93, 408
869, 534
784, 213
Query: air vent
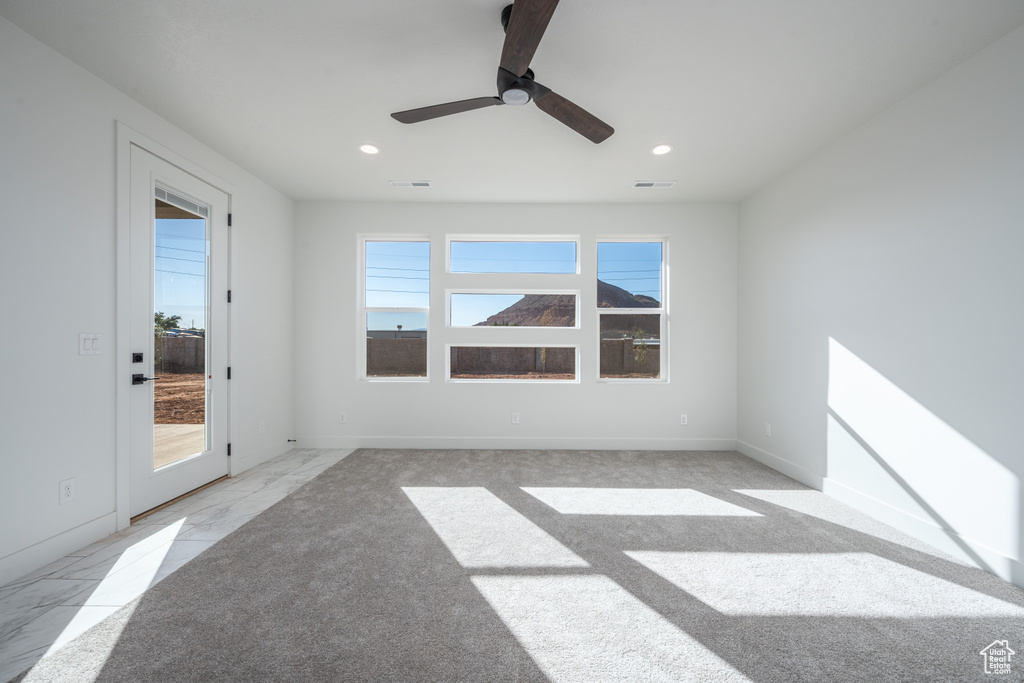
652, 184
410, 183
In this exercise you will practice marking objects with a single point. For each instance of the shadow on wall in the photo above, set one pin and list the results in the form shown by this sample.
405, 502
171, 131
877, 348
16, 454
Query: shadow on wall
887, 447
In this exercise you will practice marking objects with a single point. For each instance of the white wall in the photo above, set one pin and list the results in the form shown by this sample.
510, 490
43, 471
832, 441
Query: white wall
57, 279
440, 414
881, 328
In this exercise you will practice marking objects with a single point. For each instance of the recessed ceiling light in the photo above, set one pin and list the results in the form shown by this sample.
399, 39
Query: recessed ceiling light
661, 149
369, 149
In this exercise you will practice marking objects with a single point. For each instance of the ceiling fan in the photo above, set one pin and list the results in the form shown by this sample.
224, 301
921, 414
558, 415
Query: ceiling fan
524, 26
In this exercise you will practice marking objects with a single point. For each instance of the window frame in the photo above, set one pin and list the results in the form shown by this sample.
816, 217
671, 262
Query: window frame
362, 309
662, 311
527, 344
575, 239
523, 291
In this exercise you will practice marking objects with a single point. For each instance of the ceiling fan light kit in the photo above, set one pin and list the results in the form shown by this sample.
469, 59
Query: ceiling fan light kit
524, 27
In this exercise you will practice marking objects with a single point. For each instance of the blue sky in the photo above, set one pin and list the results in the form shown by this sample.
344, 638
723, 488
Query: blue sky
634, 266
180, 278
470, 309
513, 257
398, 274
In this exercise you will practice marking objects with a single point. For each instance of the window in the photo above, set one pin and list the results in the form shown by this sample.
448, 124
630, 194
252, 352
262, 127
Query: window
396, 306
504, 341
484, 256
529, 363
500, 309
631, 309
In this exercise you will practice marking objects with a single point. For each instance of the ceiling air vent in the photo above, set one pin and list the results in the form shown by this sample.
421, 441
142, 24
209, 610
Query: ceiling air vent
651, 184
410, 183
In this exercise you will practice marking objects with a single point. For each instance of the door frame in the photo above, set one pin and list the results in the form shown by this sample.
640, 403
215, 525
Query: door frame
126, 137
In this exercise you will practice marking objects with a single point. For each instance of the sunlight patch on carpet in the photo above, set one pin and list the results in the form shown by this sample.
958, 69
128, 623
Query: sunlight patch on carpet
819, 584
669, 502
481, 530
590, 629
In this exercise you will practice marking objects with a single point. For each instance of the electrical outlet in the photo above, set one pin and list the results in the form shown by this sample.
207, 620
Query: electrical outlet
66, 491
515, 418
683, 420
263, 427
767, 428
341, 418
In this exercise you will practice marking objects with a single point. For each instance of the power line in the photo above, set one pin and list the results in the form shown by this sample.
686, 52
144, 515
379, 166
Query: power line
415, 270
397, 291
178, 272
195, 251
520, 260
376, 253
186, 238
623, 279
174, 258
395, 277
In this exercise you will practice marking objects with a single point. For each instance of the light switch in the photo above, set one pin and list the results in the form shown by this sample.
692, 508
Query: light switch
88, 344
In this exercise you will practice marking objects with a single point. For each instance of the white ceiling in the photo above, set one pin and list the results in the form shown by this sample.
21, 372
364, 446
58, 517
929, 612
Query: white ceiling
742, 89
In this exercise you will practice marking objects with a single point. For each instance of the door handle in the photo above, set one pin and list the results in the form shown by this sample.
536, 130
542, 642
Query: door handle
141, 379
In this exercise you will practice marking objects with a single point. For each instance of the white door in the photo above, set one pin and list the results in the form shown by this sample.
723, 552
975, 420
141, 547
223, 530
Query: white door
178, 280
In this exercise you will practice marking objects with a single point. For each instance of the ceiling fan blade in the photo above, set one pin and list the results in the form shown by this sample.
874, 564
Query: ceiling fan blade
574, 116
525, 29
439, 110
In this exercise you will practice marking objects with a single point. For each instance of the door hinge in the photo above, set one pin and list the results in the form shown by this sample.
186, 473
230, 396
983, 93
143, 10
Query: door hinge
229, 296
229, 220
229, 372
229, 449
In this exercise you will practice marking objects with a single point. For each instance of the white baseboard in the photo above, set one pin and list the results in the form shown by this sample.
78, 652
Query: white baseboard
792, 470
950, 542
240, 462
29, 559
527, 442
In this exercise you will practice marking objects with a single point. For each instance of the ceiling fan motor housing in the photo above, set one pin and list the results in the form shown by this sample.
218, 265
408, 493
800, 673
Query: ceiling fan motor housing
505, 14
518, 89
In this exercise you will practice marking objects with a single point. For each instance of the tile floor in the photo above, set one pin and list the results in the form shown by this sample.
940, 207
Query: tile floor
43, 610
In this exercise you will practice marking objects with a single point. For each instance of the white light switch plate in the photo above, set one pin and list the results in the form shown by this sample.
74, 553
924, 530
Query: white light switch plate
88, 345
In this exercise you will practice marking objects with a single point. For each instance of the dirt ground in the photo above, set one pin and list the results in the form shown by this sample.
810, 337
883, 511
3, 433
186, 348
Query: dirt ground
179, 399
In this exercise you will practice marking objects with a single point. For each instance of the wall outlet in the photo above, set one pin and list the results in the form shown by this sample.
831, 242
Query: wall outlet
683, 420
515, 418
767, 428
66, 491
263, 427
341, 418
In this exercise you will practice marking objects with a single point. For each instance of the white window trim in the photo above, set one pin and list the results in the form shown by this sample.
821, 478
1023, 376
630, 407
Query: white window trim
664, 355
362, 309
513, 291
508, 238
448, 362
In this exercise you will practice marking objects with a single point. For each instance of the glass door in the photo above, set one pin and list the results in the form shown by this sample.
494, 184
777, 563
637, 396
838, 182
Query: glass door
179, 332
181, 243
